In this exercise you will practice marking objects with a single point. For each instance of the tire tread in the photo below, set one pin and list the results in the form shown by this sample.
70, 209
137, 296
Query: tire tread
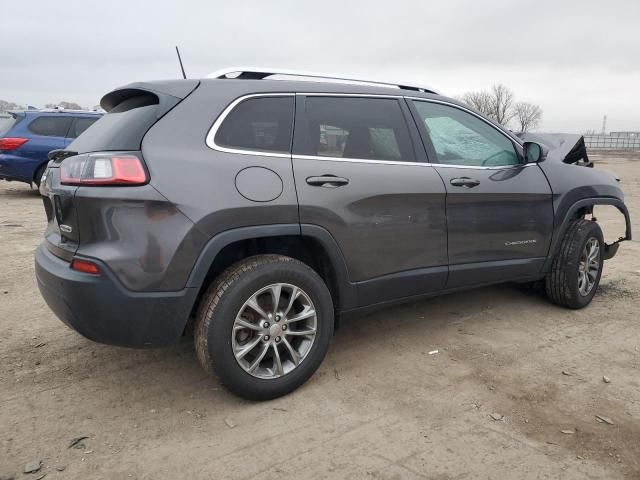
558, 280
215, 293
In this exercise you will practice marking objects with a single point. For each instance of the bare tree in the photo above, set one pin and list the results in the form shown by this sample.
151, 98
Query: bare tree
497, 103
502, 100
480, 101
527, 115
5, 106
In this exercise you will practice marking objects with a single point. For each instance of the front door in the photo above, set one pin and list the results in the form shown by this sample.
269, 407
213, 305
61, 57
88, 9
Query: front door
357, 176
499, 209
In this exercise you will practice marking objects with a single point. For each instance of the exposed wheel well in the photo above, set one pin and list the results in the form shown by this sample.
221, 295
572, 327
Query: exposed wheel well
584, 209
306, 249
588, 212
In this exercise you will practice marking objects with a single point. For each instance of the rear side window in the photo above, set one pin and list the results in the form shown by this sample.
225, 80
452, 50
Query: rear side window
350, 127
80, 124
263, 124
51, 126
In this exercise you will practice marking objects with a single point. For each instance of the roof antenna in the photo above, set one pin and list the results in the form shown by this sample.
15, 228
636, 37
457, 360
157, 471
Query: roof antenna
184, 75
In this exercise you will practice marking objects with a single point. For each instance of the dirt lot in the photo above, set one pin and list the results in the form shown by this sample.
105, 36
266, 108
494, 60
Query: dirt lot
380, 406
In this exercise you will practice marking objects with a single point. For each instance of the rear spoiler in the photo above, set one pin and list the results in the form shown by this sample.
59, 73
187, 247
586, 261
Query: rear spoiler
562, 147
56, 156
178, 89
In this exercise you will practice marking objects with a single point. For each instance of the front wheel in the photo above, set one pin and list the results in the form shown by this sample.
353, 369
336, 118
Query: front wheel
264, 326
576, 270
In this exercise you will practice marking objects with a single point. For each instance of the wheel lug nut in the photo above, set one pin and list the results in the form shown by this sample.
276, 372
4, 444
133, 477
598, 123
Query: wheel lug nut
278, 318
284, 327
277, 339
265, 325
266, 338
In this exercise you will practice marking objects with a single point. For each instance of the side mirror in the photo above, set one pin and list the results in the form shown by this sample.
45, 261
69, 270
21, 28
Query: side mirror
532, 152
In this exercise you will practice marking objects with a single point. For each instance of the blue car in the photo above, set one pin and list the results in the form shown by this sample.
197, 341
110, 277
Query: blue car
27, 136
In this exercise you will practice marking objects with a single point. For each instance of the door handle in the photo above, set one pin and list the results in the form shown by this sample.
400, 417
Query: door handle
328, 181
464, 182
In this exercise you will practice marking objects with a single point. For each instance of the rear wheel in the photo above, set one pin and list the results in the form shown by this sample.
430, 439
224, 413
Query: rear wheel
38, 175
264, 326
577, 268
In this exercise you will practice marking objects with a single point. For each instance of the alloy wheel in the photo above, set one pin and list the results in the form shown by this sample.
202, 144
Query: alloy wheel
589, 266
274, 331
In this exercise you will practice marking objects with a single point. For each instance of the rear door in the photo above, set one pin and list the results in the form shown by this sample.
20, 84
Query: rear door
359, 176
499, 209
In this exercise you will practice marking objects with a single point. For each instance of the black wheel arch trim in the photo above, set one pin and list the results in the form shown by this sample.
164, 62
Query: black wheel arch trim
561, 228
347, 291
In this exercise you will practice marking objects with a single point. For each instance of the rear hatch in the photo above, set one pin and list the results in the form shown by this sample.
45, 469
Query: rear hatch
132, 111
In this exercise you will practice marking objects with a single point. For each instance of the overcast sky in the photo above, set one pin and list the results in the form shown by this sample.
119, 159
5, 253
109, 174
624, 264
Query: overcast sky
577, 59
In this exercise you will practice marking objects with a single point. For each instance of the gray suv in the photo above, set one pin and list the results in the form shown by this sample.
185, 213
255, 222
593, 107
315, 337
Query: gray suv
257, 210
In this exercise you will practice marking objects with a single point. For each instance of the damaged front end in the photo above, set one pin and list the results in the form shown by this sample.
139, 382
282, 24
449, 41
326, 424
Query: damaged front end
576, 191
563, 147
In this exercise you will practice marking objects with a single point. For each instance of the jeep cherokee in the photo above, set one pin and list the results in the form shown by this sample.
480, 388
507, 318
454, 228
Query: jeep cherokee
258, 209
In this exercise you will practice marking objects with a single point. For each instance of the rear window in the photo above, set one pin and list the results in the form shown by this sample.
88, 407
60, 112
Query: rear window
7, 122
51, 126
81, 124
354, 127
260, 124
124, 127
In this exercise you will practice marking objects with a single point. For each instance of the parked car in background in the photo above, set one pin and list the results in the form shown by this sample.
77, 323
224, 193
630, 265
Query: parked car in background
27, 136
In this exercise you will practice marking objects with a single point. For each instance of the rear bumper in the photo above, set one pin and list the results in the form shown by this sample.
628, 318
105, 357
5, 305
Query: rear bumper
101, 309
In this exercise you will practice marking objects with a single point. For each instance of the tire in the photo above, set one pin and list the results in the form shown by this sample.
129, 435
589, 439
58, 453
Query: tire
219, 338
562, 283
38, 175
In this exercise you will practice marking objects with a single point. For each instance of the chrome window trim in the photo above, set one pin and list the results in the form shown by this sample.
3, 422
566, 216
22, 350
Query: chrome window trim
211, 135
210, 139
358, 160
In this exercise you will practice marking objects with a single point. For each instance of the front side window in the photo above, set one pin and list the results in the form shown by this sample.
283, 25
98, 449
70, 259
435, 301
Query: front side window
261, 124
460, 138
353, 127
51, 126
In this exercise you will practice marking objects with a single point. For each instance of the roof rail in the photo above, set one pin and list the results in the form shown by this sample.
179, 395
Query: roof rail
256, 73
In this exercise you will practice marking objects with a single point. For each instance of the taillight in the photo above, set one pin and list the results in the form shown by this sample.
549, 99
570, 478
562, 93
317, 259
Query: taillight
11, 143
85, 266
103, 169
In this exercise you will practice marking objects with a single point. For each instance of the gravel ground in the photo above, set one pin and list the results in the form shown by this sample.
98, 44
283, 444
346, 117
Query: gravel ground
513, 391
